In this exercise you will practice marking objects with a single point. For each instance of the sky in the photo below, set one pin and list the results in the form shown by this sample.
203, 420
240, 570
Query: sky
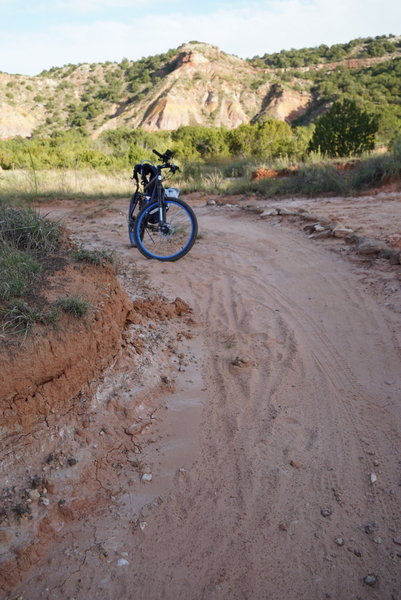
39, 34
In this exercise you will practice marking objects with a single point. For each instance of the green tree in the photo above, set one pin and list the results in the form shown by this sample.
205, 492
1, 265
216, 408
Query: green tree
344, 130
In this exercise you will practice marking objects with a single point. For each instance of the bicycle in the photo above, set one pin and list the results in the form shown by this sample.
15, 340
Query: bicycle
160, 224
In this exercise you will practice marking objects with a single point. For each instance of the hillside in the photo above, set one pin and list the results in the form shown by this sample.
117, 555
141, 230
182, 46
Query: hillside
198, 84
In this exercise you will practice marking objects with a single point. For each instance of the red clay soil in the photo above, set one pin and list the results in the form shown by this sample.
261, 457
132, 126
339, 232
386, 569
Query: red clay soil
39, 377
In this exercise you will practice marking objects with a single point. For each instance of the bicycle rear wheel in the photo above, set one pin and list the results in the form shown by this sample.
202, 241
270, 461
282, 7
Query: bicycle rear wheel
170, 241
135, 206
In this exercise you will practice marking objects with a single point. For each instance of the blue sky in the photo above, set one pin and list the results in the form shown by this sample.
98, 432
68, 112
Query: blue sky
39, 34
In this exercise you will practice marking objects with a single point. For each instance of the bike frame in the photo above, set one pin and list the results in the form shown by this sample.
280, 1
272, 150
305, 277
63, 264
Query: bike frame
157, 194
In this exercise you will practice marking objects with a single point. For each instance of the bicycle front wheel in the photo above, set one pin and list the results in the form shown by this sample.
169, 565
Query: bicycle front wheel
171, 240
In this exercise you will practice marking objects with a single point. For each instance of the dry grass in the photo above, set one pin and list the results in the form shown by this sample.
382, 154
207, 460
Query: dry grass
26, 183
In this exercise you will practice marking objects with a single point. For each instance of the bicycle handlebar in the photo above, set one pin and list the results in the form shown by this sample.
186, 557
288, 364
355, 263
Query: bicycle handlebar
164, 157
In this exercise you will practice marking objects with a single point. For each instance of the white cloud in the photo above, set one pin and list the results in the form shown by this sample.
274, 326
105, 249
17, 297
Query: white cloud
92, 5
261, 27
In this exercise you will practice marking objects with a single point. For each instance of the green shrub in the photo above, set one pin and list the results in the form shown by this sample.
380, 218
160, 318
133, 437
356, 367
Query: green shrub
344, 130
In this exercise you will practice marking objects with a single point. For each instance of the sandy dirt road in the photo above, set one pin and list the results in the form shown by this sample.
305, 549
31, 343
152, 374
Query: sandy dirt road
293, 487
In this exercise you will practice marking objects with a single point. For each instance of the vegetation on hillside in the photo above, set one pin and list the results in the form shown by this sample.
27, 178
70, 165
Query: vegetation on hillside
89, 97
359, 48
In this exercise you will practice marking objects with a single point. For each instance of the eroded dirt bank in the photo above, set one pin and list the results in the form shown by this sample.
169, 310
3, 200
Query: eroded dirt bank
293, 488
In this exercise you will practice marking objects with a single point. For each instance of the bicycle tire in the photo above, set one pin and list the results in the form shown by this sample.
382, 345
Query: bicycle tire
173, 244
132, 218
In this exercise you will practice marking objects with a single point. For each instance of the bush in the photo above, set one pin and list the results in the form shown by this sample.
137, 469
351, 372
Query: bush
344, 130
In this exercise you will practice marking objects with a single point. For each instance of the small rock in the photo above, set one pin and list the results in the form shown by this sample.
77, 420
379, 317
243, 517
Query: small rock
339, 541
377, 540
283, 527
389, 253
44, 501
368, 246
373, 478
271, 212
147, 477
71, 462
166, 380
211, 202
34, 494
142, 525
326, 512
357, 553
241, 361
341, 232
295, 464
397, 540
370, 579
287, 211
370, 527
122, 562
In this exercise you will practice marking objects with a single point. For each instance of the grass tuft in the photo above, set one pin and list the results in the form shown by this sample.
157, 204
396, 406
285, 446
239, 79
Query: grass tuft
74, 305
25, 229
93, 257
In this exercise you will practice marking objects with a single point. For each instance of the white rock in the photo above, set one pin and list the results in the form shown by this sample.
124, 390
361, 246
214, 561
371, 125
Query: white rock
341, 232
142, 525
271, 212
373, 478
122, 562
147, 477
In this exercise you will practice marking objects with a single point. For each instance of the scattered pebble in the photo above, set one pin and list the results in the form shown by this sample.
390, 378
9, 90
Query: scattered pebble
370, 579
241, 361
122, 562
326, 512
147, 477
370, 527
339, 541
33, 494
397, 540
373, 478
71, 462
142, 525
295, 464
377, 540
44, 501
